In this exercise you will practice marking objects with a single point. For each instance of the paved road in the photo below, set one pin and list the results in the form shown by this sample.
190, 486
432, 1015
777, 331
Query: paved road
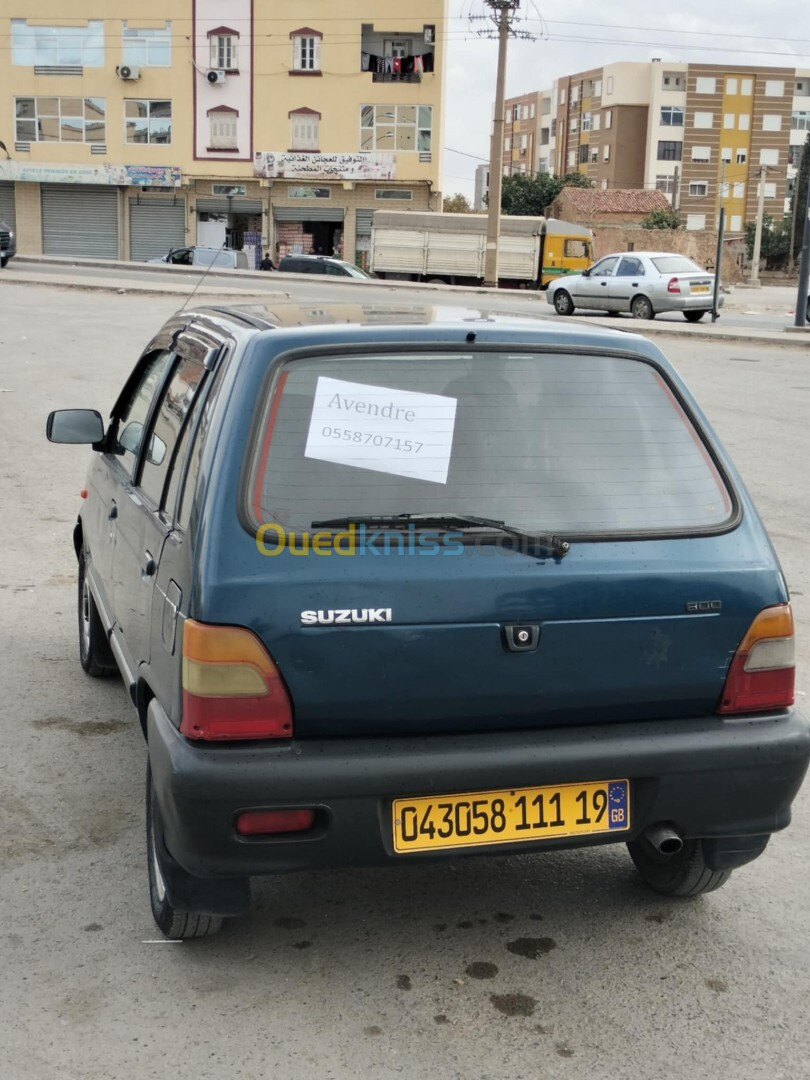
373, 974
770, 308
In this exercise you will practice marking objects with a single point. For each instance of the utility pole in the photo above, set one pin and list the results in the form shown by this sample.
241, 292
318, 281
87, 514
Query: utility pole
504, 10
676, 189
804, 267
754, 277
795, 208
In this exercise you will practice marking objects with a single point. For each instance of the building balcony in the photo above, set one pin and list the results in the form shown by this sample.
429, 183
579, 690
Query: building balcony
403, 57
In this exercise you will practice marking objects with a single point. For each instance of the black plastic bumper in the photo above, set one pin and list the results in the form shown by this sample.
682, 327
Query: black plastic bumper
732, 781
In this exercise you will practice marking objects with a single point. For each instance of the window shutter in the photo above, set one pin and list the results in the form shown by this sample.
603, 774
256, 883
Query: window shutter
316, 64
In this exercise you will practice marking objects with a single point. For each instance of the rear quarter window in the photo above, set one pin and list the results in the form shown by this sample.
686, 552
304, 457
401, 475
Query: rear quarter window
676, 264
577, 444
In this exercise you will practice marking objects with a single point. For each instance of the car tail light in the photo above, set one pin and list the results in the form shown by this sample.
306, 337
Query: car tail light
231, 687
271, 822
674, 285
762, 673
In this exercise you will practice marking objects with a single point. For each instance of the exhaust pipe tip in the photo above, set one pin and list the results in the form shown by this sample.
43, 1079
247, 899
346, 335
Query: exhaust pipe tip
664, 839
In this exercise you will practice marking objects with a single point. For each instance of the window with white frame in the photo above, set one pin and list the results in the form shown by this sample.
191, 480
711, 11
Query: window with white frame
725, 155
704, 85
574, 125
704, 120
222, 123
731, 86
393, 194
701, 153
586, 121
665, 184
594, 158
147, 121
604, 185
739, 189
223, 49
698, 188
725, 191
574, 95
769, 157
669, 150
742, 155
770, 190
596, 122
672, 115
396, 127
800, 120
744, 122
562, 95
148, 48
60, 119
736, 223
57, 46
606, 152
572, 159
729, 120
747, 87
507, 143
306, 51
771, 122
608, 118
695, 221
597, 88
305, 129
774, 88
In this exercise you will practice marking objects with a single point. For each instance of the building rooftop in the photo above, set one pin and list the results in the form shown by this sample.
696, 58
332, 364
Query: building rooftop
617, 201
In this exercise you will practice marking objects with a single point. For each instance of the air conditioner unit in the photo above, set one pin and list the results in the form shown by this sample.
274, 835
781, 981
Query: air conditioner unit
216, 77
125, 71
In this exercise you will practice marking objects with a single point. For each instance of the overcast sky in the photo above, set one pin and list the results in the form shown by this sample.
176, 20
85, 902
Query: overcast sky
582, 34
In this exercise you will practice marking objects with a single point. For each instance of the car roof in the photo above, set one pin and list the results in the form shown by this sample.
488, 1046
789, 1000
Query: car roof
649, 255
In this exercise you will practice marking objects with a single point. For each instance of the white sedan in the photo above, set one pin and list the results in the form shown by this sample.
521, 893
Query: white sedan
644, 283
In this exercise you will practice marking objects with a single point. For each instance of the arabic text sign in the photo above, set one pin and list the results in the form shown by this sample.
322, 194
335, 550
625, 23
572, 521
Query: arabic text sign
375, 427
359, 166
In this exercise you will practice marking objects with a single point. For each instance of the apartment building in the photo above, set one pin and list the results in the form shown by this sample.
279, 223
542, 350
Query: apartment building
192, 121
703, 135
527, 137
481, 190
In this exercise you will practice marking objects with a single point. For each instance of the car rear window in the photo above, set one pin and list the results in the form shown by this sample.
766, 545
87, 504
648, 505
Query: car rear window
570, 443
677, 264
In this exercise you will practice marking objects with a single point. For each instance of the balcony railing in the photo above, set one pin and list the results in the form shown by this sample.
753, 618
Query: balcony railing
391, 77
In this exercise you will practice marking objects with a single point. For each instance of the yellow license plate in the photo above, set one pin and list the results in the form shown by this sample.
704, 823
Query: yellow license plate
700, 288
510, 817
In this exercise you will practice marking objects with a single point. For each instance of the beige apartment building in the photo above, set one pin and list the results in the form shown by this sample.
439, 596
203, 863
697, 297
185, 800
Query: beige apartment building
174, 122
703, 135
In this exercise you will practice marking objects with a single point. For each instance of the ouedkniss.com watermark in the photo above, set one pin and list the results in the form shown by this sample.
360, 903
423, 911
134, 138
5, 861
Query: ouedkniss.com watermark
273, 539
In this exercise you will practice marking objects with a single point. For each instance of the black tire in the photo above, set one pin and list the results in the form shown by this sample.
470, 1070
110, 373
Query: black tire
808, 309
685, 874
94, 649
173, 923
563, 304
693, 316
3, 263
436, 281
641, 308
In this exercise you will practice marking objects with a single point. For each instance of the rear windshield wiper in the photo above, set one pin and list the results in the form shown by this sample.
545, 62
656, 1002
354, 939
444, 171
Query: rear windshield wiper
549, 541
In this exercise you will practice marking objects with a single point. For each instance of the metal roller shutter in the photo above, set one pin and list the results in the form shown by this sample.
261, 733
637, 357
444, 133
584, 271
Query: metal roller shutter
229, 206
7, 208
308, 213
364, 219
155, 228
79, 220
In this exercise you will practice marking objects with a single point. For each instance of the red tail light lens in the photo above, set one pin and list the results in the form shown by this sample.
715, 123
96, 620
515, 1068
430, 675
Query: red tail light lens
231, 687
272, 822
762, 673
674, 285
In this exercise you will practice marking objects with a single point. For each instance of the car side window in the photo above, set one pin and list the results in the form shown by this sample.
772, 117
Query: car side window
198, 432
630, 268
170, 506
604, 268
335, 271
164, 433
132, 417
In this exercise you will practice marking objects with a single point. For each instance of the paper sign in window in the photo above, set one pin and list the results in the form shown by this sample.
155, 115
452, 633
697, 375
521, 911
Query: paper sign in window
375, 427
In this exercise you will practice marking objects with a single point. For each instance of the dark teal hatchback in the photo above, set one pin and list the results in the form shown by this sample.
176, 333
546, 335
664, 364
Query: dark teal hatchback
385, 588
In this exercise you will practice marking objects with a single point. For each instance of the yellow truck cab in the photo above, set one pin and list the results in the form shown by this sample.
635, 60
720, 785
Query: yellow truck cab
567, 249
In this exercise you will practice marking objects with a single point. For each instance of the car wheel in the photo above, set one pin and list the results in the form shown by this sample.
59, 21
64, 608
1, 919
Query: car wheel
3, 263
641, 308
563, 304
94, 649
693, 316
683, 874
174, 923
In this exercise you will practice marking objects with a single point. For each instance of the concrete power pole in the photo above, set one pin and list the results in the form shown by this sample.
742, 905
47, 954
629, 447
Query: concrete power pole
754, 278
504, 10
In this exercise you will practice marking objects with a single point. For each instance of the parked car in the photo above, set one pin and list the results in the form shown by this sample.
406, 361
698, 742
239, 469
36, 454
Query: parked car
321, 264
645, 283
8, 244
205, 256
382, 594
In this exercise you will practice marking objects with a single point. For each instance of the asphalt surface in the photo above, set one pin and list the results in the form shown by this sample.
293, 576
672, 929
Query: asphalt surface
770, 308
555, 966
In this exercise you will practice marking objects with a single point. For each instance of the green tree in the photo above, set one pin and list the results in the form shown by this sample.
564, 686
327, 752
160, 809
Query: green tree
662, 219
529, 196
775, 240
456, 204
799, 200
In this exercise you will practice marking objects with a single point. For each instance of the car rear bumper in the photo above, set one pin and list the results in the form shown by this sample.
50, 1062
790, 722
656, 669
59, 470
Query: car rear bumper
730, 780
698, 302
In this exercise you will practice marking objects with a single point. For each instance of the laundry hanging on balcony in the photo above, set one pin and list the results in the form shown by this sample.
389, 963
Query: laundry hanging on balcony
396, 65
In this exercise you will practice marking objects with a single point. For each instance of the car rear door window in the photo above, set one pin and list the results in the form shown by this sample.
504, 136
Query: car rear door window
630, 268
576, 444
173, 407
132, 415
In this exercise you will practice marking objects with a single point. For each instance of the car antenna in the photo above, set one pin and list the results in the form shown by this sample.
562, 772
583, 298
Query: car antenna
202, 278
